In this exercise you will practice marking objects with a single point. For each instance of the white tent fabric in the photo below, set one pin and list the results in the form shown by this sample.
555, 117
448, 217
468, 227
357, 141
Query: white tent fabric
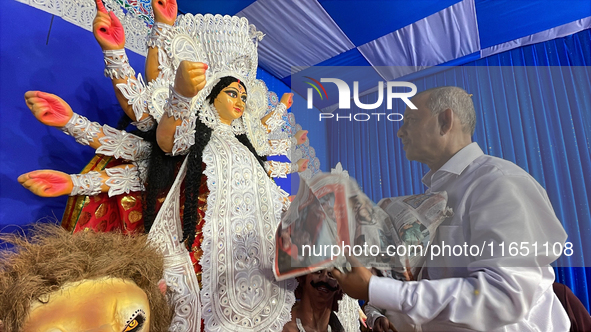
558, 32
298, 33
444, 36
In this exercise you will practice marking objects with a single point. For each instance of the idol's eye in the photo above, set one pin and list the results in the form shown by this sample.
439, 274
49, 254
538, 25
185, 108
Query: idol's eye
244, 99
232, 93
137, 322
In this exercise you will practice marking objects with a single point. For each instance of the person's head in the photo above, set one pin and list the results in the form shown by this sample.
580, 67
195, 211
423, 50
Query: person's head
442, 124
81, 282
228, 97
320, 286
362, 208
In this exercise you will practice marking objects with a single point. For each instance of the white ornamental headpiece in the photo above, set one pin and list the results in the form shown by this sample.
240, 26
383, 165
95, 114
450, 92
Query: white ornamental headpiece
228, 45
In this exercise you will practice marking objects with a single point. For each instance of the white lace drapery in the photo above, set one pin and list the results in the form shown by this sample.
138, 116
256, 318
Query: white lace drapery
243, 210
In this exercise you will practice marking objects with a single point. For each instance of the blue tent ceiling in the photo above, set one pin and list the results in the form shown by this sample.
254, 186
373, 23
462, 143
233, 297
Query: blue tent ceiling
402, 36
389, 33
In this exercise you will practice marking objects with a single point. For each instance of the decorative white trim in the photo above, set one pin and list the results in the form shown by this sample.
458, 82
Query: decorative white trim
184, 136
142, 168
178, 106
86, 184
348, 313
123, 180
145, 124
117, 64
81, 129
123, 145
160, 34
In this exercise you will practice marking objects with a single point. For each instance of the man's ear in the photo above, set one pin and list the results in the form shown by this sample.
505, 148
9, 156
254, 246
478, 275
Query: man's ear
446, 119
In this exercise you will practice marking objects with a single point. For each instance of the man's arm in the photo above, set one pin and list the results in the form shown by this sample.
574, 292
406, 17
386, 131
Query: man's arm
500, 289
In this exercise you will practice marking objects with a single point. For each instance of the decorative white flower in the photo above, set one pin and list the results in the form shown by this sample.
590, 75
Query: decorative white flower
276, 120
135, 93
184, 136
338, 169
123, 180
279, 146
122, 145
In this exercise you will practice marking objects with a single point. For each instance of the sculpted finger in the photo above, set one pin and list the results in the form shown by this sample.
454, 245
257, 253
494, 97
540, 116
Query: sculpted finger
115, 23
43, 95
197, 75
201, 85
23, 178
101, 24
100, 7
35, 104
101, 17
200, 65
30, 94
29, 183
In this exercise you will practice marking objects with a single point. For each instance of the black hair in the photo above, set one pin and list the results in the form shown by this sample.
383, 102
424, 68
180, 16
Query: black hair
162, 169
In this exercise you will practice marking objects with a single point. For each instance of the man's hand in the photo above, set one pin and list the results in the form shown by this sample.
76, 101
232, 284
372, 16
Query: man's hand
107, 29
165, 11
49, 109
382, 324
354, 283
190, 78
287, 99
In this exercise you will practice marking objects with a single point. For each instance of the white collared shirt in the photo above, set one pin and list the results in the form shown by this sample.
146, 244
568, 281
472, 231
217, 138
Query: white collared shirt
495, 204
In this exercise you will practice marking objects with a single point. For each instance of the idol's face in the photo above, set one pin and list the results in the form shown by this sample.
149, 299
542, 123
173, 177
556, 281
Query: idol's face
230, 102
108, 304
321, 284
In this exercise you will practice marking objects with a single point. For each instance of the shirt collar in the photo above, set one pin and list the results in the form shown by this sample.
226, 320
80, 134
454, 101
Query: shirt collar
457, 163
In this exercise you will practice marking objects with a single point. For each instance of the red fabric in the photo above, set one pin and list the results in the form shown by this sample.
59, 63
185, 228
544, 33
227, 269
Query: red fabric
102, 213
